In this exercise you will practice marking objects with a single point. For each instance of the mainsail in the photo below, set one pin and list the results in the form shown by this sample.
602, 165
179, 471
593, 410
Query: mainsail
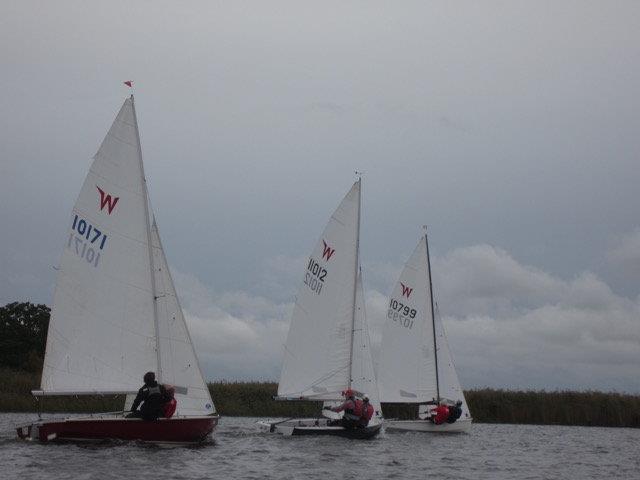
317, 358
114, 297
407, 371
101, 332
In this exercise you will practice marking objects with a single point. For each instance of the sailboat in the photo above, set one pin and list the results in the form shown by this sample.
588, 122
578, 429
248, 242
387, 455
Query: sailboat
328, 350
116, 314
416, 365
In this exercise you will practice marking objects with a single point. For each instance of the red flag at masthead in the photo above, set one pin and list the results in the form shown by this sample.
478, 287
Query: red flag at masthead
129, 83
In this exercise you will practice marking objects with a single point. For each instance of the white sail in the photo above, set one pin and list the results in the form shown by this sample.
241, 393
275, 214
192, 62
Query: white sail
101, 332
363, 378
407, 372
318, 348
178, 362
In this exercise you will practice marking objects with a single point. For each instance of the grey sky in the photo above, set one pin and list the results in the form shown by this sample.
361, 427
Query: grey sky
508, 127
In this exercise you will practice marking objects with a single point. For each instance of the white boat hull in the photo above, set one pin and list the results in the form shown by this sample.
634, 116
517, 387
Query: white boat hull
317, 426
461, 426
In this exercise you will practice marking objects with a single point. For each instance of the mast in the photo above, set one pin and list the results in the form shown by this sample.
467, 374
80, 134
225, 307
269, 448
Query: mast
433, 317
150, 248
355, 284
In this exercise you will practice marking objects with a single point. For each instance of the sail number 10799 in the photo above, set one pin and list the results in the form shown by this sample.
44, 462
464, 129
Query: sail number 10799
402, 314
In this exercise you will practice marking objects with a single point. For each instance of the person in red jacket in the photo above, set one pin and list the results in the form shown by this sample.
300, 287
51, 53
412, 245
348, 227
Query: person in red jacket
440, 414
169, 408
366, 412
351, 408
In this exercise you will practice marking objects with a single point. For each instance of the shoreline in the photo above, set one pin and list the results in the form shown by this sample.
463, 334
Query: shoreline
255, 399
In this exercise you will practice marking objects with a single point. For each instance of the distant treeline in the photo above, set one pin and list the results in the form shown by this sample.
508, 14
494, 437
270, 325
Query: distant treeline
23, 328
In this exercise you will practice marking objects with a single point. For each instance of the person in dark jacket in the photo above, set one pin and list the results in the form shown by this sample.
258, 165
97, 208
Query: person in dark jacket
455, 412
152, 396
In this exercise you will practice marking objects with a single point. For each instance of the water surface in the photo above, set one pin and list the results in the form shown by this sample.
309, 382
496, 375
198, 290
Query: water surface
239, 451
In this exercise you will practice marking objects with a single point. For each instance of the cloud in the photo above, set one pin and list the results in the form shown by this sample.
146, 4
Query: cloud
509, 325
512, 325
279, 277
237, 335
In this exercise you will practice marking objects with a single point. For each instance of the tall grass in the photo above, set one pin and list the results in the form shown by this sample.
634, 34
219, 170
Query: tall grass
15, 396
256, 399
555, 408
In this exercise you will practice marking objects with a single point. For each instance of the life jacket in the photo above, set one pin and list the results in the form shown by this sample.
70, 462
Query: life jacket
442, 413
357, 409
153, 390
352, 409
153, 401
169, 408
366, 413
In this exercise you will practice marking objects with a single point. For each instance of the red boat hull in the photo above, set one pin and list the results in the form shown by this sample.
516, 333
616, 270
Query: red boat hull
175, 430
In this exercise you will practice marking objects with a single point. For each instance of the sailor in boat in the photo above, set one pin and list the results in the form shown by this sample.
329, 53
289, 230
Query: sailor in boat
455, 412
440, 414
352, 409
169, 408
366, 412
152, 396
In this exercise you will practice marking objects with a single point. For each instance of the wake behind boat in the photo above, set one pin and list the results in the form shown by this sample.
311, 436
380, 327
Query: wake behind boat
115, 311
328, 353
416, 366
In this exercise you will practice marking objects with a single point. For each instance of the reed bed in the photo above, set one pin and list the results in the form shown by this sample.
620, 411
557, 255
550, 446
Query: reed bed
598, 409
256, 399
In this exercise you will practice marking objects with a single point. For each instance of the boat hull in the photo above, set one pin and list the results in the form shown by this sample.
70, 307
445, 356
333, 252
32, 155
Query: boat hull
188, 430
460, 426
314, 426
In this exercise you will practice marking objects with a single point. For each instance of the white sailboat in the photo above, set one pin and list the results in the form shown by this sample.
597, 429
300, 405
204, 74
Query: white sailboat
116, 314
415, 361
328, 349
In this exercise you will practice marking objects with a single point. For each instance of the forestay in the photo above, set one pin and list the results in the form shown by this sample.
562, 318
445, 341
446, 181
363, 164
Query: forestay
407, 371
101, 333
318, 348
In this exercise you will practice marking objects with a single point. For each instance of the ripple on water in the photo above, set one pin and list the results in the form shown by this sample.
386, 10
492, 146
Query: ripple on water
490, 452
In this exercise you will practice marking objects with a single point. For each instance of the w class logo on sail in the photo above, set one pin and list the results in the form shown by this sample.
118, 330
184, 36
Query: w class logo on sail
406, 291
107, 200
327, 251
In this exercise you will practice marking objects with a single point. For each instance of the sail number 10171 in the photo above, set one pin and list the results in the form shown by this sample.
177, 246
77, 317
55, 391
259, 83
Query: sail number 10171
88, 243
402, 314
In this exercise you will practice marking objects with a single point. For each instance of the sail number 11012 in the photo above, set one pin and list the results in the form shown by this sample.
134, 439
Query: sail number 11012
314, 277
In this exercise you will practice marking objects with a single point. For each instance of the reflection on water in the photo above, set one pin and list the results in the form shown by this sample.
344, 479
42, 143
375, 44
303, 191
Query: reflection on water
239, 451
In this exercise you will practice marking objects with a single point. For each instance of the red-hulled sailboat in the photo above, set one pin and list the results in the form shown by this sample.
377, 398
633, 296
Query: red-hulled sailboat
115, 311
